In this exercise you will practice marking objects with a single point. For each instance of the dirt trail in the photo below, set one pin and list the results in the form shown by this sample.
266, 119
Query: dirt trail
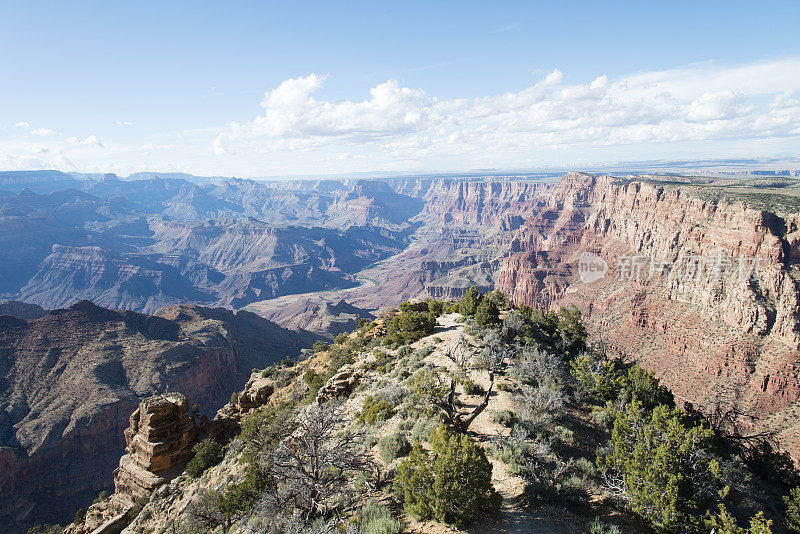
515, 516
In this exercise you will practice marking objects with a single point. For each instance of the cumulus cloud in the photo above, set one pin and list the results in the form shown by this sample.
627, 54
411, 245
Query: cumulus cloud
123, 123
23, 125
699, 102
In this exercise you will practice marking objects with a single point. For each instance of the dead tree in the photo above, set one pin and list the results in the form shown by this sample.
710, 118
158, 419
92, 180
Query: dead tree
443, 395
460, 355
315, 467
727, 415
455, 418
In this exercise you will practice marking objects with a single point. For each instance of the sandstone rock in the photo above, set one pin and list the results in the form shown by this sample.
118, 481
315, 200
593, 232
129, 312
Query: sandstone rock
342, 382
72, 378
159, 443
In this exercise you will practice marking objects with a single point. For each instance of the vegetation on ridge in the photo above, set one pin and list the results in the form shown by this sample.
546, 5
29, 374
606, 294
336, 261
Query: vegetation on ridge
597, 436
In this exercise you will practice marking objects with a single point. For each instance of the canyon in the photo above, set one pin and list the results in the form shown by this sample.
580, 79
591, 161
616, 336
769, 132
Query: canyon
71, 378
698, 282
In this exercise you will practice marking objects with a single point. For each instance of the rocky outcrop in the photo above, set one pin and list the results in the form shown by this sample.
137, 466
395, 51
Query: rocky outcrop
256, 393
342, 382
458, 201
159, 443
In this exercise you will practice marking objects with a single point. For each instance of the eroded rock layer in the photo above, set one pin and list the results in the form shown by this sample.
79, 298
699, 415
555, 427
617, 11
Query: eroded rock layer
159, 442
704, 292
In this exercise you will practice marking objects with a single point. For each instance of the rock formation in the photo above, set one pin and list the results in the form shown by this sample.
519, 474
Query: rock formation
159, 443
343, 381
145, 244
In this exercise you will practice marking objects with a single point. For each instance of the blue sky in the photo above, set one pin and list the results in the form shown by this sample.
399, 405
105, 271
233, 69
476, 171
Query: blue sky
123, 86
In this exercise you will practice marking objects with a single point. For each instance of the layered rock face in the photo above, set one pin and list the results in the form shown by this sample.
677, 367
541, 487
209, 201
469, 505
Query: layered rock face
703, 292
479, 202
328, 318
70, 380
159, 443
145, 244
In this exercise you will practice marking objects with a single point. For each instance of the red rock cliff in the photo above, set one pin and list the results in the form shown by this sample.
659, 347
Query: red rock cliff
693, 315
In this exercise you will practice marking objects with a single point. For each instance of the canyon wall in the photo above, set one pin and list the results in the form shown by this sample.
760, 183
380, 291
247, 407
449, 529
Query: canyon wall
703, 292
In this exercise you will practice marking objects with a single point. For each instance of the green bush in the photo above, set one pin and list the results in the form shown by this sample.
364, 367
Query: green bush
375, 410
585, 466
425, 351
487, 314
598, 377
393, 446
664, 465
473, 388
452, 485
46, 529
409, 324
239, 498
206, 454
504, 417
314, 381
377, 519
405, 350
598, 527
604, 415
264, 428
644, 387
562, 330
469, 304
383, 361
80, 516
792, 502
725, 523
340, 338
423, 429
564, 434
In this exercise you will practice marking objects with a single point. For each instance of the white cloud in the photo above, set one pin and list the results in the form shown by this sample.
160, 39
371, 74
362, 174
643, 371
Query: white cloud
696, 103
553, 78
506, 28
91, 140
123, 123
700, 110
43, 132
716, 106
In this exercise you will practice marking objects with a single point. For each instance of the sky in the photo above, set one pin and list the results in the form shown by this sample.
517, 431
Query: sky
254, 89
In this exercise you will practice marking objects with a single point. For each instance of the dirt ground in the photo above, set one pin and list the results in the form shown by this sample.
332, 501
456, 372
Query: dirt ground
515, 516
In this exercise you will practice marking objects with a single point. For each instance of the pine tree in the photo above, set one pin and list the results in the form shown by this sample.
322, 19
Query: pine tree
469, 304
452, 485
487, 313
